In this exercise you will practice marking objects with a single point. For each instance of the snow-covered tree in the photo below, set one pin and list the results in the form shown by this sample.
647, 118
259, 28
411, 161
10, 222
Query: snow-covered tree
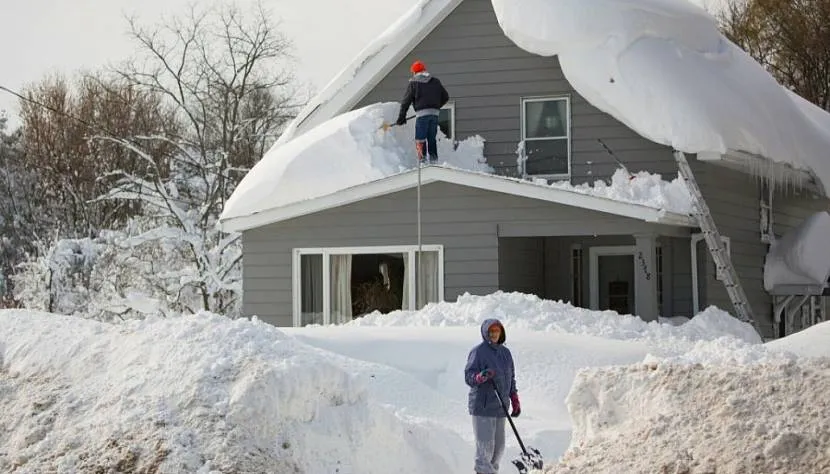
222, 72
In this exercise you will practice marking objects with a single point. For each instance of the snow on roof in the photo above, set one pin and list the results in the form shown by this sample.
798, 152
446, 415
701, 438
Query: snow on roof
350, 158
802, 256
659, 66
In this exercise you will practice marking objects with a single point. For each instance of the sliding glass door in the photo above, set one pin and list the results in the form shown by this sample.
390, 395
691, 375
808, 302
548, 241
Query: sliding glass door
336, 285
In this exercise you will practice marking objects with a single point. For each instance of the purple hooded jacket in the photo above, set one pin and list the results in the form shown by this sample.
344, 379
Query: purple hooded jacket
482, 399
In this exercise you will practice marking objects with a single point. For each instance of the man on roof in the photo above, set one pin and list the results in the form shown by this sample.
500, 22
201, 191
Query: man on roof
426, 95
490, 368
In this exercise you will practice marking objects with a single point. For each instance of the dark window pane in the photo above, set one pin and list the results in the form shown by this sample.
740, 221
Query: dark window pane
547, 156
445, 122
547, 118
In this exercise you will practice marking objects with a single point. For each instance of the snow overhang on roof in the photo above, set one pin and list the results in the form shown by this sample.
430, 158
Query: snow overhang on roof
661, 67
489, 182
799, 262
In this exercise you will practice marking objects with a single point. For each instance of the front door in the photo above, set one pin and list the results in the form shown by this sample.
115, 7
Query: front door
613, 279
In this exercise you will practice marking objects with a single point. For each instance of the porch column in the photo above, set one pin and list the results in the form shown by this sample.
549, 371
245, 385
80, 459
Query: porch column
645, 276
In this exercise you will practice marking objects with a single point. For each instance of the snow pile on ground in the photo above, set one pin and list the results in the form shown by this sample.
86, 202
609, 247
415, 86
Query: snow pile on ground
663, 68
350, 149
523, 311
811, 342
802, 256
767, 418
641, 188
192, 394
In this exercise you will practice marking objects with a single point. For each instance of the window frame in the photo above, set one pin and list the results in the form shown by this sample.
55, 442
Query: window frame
568, 131
450, 106
327, 252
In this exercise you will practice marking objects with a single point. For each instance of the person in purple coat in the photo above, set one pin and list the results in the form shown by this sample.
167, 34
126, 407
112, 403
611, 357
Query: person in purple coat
490, 368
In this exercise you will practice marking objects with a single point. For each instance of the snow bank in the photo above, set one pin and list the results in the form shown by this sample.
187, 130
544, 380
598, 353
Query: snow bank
767, 418
523, 311
191, 394
810, 342
346, 151
802, 256
663, 68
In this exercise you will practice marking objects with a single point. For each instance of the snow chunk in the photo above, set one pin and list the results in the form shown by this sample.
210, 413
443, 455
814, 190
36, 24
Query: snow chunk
802, 256
192, 394
523, 311
348, 150
663, 68
643, 188
699, 419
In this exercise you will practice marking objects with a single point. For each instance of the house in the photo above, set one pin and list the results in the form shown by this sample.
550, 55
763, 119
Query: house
341, 252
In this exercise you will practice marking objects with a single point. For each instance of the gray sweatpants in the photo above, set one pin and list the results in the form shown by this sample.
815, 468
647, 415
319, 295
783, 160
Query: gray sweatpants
489, 434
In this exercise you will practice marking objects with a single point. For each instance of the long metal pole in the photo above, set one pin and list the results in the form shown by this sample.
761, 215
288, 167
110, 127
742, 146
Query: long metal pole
418, 256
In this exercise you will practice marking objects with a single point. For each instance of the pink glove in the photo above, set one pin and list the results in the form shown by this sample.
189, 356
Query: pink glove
514, 402
484, 376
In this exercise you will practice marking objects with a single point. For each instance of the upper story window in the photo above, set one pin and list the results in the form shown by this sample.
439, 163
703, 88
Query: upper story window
546, 130
446, 120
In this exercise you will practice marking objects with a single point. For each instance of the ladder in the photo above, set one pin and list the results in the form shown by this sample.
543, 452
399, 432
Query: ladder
720, 256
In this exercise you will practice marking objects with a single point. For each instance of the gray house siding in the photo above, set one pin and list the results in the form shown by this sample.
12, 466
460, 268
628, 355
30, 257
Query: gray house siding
487, 76
466, 221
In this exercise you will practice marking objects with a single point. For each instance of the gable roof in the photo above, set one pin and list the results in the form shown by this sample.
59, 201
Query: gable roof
371, 65
432, 174
378, 59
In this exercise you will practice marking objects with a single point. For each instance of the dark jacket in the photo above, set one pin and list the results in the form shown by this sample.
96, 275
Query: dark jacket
425, 94
482, 399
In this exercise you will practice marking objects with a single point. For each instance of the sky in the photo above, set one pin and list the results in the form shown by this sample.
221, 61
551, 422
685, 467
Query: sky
40, 37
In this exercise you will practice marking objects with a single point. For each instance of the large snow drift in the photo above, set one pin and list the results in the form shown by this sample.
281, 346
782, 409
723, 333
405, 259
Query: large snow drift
205, 394
644, 419
348, 150
801, 256
353, 149
192, 394
663, 68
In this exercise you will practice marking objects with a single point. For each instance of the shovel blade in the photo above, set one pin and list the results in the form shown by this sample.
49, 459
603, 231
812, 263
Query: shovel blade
531, 460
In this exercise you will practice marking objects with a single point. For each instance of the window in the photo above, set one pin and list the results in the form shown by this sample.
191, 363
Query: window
446, 120
336, 285
546, 136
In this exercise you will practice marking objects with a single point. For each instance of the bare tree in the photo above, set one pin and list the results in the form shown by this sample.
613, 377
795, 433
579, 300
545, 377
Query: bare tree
790, 38
223, 73
58, 121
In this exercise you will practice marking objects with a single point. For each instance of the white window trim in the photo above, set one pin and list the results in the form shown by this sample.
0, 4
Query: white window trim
523, 120
451, 107
594, 254
326, 252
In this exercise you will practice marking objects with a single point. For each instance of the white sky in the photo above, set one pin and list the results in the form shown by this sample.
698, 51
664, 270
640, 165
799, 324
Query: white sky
43, 36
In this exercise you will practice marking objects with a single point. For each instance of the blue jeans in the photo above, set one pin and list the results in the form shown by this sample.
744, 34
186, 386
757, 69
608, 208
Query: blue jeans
426, 127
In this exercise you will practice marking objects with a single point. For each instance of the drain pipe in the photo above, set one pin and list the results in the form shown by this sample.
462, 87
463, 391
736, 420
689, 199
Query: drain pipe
695, 285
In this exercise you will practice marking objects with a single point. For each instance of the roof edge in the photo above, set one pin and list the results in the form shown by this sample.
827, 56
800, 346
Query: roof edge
371, 65
488, 182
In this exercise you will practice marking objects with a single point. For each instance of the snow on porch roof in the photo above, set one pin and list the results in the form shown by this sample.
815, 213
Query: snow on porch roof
661, 67
432, 174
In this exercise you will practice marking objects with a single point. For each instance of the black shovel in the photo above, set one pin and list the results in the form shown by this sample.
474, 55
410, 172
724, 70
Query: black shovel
527, 460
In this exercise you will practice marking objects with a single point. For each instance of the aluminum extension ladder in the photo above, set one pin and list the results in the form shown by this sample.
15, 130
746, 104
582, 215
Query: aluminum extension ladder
720, 256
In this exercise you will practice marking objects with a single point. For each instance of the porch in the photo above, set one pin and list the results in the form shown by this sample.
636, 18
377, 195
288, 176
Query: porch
649, 275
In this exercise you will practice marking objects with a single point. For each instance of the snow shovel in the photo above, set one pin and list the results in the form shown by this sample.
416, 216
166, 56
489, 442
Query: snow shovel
527, 460
387, 126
